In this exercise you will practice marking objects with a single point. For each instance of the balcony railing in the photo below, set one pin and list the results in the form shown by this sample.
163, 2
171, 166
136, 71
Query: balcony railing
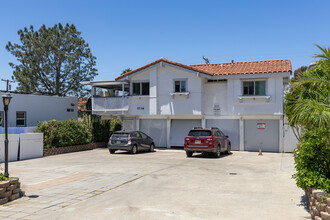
110, 104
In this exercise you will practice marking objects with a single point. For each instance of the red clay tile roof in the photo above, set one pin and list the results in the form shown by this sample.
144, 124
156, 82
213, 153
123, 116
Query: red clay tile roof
252, 67
234, 68
166, 61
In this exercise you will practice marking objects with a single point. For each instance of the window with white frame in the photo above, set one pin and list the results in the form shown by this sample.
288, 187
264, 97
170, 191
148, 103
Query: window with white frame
21, 119
2, 119
180, 85
254, 88
141, 88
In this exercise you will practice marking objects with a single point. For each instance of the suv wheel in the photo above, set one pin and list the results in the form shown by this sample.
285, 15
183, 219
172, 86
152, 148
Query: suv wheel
134, 149
152, 146
218, 153
189, 154
228, 149
112, 151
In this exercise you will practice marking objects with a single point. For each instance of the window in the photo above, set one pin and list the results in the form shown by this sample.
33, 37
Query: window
254, 88
199, 133
143, 135
141, 88
2, 116
180, 86
20, 119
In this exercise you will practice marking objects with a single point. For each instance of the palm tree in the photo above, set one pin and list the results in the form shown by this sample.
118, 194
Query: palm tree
307, 103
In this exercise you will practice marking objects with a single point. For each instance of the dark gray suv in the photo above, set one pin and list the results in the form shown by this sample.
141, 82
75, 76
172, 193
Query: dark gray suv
131, 141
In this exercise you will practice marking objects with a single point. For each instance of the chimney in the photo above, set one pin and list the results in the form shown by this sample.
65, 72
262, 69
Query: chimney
232, 61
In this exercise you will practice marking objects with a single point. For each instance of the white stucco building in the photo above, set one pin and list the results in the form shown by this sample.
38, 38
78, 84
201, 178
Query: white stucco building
25, 110
166, 99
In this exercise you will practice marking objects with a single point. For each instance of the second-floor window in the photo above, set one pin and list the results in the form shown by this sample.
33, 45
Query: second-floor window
254, 87
180, 86
141, 88
21, 119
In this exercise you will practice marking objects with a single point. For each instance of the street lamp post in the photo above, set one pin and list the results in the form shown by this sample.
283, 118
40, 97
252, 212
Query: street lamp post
6, 100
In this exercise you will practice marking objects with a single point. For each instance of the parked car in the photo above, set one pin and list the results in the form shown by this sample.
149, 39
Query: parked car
131, 141
205, 140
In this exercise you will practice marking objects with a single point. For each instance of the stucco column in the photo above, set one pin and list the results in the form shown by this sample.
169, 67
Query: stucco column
203, 122
168, 138
241, 134
138, 124
281, 133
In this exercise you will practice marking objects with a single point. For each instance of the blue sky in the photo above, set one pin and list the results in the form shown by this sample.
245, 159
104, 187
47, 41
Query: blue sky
125, 34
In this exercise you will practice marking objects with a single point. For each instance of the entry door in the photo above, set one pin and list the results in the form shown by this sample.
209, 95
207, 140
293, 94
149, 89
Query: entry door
261, 133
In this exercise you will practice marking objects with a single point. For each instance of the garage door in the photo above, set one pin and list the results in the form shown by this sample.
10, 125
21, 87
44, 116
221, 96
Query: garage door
228, 127
180, 128
155, 128
261, 133
128, 124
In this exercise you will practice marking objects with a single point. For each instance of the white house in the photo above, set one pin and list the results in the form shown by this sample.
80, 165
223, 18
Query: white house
25, 110
166, 99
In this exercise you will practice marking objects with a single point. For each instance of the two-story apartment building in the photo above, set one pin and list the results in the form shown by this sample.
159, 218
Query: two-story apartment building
166, 99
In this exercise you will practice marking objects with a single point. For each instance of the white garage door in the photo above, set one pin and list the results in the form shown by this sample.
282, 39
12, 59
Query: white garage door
261, 133
128, 124
229, 127
155, 128
180, 129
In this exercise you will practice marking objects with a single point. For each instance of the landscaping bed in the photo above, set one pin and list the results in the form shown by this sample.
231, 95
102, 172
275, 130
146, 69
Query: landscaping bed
9, 190
319, 204
75, 148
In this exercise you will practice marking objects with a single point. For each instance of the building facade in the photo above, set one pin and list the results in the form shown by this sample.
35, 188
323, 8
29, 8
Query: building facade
166, 99
25, 110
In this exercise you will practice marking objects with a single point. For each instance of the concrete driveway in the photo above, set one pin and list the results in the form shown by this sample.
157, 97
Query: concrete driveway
159, 185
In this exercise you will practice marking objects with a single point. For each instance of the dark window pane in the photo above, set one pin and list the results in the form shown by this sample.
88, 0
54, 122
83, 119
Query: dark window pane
251, 88
177, 86
136, 89
20, 122
196, 133
145, 88
260, 88
183, 86
143, 135
20, 115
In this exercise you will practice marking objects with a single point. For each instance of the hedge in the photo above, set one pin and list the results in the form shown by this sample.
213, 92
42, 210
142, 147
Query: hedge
312, 160
65, 133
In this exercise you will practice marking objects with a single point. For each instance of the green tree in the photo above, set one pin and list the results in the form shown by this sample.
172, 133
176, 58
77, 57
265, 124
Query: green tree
126, 71
298, 72
52, 60
307, 102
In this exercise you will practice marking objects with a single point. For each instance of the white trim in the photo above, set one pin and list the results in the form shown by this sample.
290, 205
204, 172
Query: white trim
242, 97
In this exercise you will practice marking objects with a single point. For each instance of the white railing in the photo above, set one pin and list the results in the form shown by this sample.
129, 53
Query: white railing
110, 103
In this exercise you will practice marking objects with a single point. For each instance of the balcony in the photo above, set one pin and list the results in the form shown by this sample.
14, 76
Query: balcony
112, 105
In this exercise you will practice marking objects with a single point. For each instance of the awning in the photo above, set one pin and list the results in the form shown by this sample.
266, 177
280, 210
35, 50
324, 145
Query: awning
106, 84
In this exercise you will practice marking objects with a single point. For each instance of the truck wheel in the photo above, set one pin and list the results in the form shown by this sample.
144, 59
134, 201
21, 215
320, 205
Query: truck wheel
218, 153
112, 151
189, 154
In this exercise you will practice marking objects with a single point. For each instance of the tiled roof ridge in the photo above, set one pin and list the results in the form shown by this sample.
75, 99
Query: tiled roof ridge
232, 68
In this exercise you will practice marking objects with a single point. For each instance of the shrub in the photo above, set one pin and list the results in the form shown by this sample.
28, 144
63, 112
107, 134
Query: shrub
102, 129
64, 133
313, 160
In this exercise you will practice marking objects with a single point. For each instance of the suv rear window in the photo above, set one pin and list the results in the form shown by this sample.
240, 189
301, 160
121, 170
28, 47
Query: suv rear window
199, 133
120, 135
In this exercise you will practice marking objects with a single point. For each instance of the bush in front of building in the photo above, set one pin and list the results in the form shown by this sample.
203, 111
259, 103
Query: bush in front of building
102, 129
312, 160
64, 133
